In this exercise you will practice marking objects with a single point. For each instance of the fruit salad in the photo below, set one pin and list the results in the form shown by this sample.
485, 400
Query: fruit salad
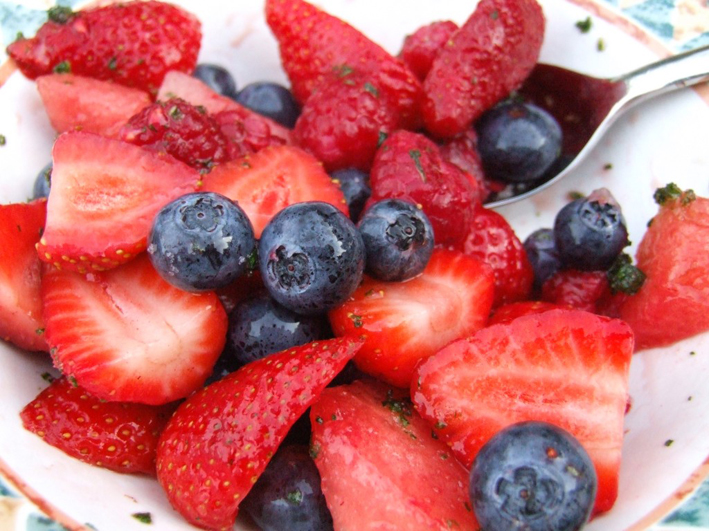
287, 302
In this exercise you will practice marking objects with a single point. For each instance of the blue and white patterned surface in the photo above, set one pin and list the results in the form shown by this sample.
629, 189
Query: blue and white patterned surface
679, 24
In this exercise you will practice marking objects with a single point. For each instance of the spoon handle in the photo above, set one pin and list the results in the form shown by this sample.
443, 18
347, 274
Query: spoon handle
674, 72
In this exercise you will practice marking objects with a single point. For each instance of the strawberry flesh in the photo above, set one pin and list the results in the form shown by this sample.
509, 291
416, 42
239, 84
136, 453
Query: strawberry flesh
379, 462
127, 335
405, 322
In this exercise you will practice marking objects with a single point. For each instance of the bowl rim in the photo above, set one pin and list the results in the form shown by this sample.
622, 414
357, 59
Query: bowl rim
599, 8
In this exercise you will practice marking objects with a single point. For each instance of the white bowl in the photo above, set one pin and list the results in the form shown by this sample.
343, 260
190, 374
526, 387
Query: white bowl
653, 144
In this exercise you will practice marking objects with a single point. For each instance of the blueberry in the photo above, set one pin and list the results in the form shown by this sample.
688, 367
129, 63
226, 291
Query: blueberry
287, 496
354, 183
259, 326
311, 257
43, 182
517, 141
398, 240
201, 241
540, 247
272, 100
218, 78
532, 476
590, 232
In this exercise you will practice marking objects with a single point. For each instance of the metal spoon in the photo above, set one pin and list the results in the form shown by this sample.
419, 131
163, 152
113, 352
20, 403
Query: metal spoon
586, 106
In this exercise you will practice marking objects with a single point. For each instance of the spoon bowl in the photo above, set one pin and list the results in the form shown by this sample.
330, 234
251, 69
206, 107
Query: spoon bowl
586, 106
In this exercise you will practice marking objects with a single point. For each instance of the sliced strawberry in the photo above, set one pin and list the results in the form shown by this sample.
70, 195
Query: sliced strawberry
491, 239
180, 129
366, 435
566, 367
131, 43
221, 439
405, 322
86, 104
104, 196
21, 321
191, 89
313, 43
488, 57
422, 46
673, 303
513, 310
119, 436
410, 166
127, 335
265, 183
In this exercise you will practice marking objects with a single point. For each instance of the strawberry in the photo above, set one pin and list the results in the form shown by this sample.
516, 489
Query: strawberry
21, 321
103, 198
422, 46
86, 104
258, 130
462, 151
180, 129
513, 310
492, 240
405, 322
314, 43
582, 290
488, 57
566, 367
364, 435
127, 335
673, 303
265, 183
221, 438
133, 43
410, 166
345, 120
120, 436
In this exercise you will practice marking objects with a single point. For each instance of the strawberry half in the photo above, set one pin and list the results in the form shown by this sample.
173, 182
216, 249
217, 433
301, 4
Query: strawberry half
673, 303
119, 436
405, 322
489, 56
86, 104
268, 181
21, 320
131, 43
366, 435
127, 335
566, 367
220, 440
313, 43
104, 196
258, 130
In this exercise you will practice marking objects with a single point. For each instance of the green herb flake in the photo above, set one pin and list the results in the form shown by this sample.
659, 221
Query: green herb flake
574, 195
314, 450
62, 68
143, 518
60, 14
693, 353
608, 166
47, 377
440, 425
73, 382
175, 113
371, 89
495, 15
295, 497
415, 155
584, 26
624, 277
382, 137
319, 420
113, 63
601, 45
343, 70
401, 406
671, 192
669, 442
3, 140
356, 320
19, 36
